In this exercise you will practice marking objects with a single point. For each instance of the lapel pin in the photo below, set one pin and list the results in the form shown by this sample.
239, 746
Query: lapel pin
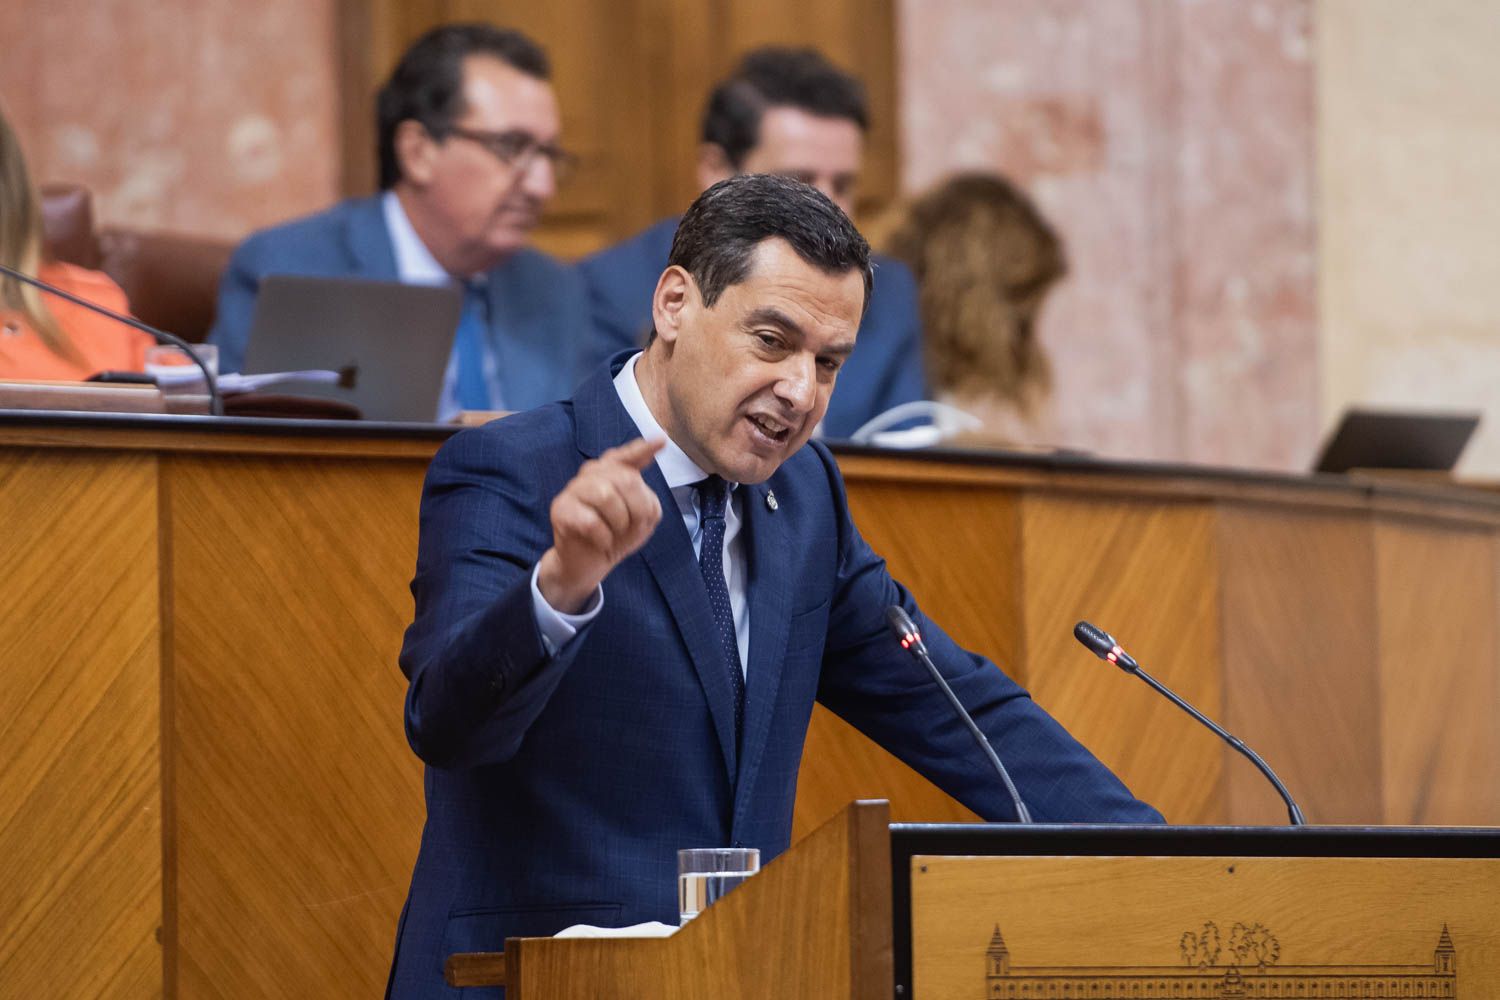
771, 500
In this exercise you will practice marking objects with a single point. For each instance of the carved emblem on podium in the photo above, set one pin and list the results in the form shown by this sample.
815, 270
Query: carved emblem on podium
1240, 967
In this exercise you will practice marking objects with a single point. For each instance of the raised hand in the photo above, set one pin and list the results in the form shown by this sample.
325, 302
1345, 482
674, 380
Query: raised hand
604, 514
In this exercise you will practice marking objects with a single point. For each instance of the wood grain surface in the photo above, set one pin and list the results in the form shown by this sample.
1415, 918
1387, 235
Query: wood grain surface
298, 802
1300, 675
1339, 924
815, 924
1147, 573
80, 793
1439, 681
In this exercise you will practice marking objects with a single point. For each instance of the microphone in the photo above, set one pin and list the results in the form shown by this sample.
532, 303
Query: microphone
1103, 645
906, 633
215, 403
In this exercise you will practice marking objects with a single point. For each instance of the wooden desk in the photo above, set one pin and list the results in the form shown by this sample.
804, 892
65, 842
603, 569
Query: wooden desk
202, 712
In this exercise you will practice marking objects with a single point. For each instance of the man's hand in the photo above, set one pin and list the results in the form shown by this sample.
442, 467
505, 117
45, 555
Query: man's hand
603, 515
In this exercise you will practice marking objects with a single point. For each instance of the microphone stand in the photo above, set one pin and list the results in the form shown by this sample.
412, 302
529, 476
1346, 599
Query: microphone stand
906, 633
1103, 645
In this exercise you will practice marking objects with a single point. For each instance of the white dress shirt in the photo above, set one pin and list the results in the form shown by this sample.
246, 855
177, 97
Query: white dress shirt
681, 473
415, 265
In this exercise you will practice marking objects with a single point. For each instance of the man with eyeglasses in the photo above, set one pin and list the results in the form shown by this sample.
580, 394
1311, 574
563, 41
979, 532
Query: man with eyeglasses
469, 156
786, 111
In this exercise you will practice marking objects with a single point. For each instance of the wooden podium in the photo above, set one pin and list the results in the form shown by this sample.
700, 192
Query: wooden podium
817, 918
865, 909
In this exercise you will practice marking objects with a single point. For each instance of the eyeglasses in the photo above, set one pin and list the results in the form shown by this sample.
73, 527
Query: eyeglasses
516, 148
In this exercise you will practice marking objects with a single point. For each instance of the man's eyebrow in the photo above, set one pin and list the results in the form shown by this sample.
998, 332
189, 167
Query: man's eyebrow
771, 316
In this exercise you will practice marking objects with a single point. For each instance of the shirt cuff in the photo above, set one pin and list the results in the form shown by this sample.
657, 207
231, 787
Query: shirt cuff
557, 628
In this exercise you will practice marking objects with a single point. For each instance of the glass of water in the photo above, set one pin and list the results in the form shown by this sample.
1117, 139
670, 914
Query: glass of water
706, 873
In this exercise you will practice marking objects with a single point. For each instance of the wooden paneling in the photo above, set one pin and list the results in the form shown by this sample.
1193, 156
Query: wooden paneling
80, 828
632, 77
1112, 927
815, 923
1145, 572
957, 551
298, 802
1439, 692
1300, 673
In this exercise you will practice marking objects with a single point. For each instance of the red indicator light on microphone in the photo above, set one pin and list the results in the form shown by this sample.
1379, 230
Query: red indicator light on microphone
1110, 656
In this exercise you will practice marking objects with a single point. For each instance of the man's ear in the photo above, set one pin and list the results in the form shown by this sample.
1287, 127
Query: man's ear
416, 151
676, 295
713, 165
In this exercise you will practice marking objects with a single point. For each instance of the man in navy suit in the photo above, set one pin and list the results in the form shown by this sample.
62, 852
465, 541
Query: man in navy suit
789, 112
626, 605
469, 156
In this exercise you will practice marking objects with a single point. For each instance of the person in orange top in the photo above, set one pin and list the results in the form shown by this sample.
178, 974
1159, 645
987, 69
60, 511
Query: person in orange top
43, 336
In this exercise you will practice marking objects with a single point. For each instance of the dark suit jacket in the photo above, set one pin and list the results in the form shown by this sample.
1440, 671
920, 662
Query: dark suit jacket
560, 789
884, 371
538, 315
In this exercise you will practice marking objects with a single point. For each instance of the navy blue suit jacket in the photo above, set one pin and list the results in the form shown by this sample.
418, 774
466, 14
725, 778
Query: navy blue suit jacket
538, 316
559, 789
884, 371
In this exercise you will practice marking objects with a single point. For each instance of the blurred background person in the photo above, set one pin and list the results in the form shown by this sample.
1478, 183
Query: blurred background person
43, 336
985, 261
786, 111
469, 157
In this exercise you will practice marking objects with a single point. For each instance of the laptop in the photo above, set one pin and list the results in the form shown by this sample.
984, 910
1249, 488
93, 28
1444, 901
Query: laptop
1393, 439
396, 339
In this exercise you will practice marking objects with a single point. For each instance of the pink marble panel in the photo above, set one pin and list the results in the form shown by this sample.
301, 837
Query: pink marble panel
1172, 143
203, 116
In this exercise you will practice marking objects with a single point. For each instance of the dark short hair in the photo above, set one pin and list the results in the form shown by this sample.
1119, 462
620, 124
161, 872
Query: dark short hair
716, 239
427, 84
775, 77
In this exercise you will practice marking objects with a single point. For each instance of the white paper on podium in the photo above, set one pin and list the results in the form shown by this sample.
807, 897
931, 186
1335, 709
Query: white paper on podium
653, 929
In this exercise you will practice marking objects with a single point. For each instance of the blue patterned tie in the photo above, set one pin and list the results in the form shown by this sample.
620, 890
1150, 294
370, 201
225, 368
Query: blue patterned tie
473, 390
712, 494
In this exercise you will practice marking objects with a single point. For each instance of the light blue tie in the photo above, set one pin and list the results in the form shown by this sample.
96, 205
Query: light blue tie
712, 494
473, 389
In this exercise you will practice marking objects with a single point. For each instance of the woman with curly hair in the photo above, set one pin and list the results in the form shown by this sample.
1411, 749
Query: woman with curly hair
984, 259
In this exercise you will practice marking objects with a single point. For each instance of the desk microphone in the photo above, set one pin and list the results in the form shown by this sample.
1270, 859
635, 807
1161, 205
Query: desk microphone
906, 633
1103, 645
215, 404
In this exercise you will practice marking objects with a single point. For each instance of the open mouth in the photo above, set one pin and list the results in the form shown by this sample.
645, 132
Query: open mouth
772, 431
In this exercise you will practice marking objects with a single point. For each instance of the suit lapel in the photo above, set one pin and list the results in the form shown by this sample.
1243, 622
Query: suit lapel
770, 605
668, 554
369, 241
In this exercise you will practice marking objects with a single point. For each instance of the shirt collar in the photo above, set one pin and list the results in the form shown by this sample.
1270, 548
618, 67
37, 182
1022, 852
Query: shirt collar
676, 467
415, 264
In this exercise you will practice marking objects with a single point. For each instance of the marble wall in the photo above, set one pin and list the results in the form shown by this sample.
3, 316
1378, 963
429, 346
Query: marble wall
1172, 143
204, 116
1409, 142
